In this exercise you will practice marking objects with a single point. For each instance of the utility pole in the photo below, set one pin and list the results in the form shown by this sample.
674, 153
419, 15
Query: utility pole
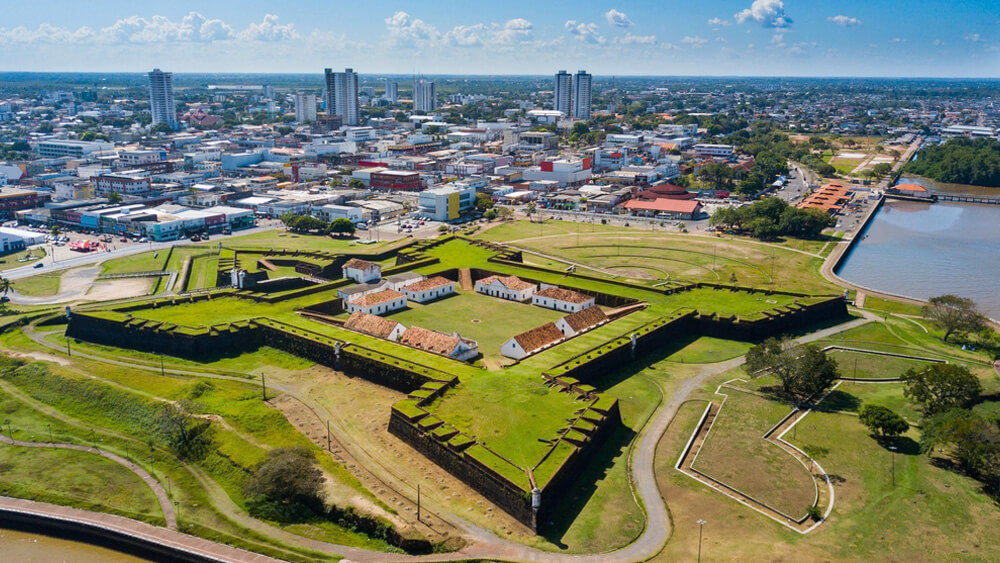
327, 435
263, 386
51, 439
701, 526
162, 373
69, 354
418, 502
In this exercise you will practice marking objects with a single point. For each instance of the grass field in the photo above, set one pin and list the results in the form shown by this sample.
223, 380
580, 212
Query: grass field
40, 285
736, 454
873, 366
10, 261
490, 321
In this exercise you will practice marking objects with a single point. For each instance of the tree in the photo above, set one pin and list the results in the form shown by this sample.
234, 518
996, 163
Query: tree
490, 214
504, 213
882, 168
6, 285
881, 421
342, 226
955, 314
939, 387
356, 184
55, 230
187, 435
161, 128
802, 370
530, 210
114, 198
335, 182
483, 201
286, 486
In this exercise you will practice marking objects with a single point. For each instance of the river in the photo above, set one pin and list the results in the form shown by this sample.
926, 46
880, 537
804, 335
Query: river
921, 250
24, 547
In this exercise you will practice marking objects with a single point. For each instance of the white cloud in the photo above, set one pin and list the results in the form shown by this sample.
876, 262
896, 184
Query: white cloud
844, 20
973, 38
269, 30
778, 39
937, 42
897, 40
586, 32
695, 42
630, 39
407, 31
720, 22
769, 13
617, 19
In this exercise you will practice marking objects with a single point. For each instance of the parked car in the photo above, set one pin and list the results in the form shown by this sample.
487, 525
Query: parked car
38, 265
124, 239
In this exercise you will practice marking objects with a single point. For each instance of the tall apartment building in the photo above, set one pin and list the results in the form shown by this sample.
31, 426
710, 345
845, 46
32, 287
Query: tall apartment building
424, 98
342, 96
562, 98
581, 95
161, 98
391, 92
305, 107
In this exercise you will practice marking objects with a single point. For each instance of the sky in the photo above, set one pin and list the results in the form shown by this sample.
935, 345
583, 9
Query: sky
890, 38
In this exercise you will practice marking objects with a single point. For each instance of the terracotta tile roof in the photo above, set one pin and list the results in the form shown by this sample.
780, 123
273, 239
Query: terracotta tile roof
538, 337
910, 188
664, 204
358, 264
377, 297
430, 340
510, 282
586, 318
429, 283
566, 295
371, 324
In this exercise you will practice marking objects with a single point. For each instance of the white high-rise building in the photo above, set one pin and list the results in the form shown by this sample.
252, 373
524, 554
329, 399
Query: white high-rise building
391, 92
424, 98
161, 98
342, 96
562, 99
305, 107
581, 95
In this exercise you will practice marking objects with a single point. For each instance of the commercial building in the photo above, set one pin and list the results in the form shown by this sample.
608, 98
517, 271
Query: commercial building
568, 172
543, 140
342, 96
13, 200
447, 202
161, 98
13, 240
581, 95
125, 184
57, 148
396, 180
305, 108
705, 149
665, 208
562, 95
424, 98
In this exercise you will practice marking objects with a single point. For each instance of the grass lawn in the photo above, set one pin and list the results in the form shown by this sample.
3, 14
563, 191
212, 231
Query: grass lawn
736, 454
9, 261
885, 305
143, 262
40, 285
281, 239
203, 272
490, 321
80, 479
875, 366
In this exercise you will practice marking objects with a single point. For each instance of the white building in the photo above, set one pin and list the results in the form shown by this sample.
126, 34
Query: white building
305, 107
562, 97
581, 95
391, 92
450, 345
429, 289
342, 96
706, 149
161, 98
560, 299
55, 148
378, 303
506, 287
565, 171
581, 321
375, 325
534, 340
362, 271
424, 98
12, 240
331, 212
447, 202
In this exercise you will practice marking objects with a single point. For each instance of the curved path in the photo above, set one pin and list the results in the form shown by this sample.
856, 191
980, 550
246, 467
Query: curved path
161, 495
488, 546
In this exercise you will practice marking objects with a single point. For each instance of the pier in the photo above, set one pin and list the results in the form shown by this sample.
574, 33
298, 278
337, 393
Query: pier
959, 198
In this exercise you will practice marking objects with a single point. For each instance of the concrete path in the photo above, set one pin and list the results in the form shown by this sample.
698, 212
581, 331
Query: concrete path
161, 495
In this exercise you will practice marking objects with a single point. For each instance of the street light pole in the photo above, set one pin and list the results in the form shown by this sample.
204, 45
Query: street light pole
701, 527
892, 457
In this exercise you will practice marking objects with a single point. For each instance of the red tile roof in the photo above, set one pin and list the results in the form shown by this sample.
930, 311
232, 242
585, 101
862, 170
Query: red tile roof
430, 340
665, 205
371, 324
539, 337
510, 282
377, 297
586, 318
566, 295
429, 283
358, 264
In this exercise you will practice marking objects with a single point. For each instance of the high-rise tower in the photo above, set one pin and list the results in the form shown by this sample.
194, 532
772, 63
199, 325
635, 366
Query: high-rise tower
424, 98
161, 98
342, 96
581, 95
562, 99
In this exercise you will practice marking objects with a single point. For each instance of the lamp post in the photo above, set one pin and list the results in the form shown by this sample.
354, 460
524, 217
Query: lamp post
892, 458
701, 527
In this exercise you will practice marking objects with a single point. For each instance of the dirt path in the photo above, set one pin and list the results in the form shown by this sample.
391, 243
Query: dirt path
80, 283
161, 495
465, 279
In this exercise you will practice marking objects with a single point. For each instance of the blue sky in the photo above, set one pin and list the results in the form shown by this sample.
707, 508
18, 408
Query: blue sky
662, 37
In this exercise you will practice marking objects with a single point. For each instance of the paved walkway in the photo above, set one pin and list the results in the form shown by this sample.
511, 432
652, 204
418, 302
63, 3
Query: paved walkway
483, 543
161, 495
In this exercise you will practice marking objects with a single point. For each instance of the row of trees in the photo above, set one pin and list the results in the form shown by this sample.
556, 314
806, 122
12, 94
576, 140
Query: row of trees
308, 223
771, 217
960, 161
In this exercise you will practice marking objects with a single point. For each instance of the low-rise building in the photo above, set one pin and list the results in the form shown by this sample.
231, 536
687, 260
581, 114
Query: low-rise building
531, 341
123, 183
561, 299
429, 289
450, 345
375, 325
362, 271
665, 208
506, 287
707, 149
581, 321
378, 303
447, 202
396, 180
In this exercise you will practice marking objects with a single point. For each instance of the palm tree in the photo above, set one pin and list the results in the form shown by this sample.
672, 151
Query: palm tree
5, 285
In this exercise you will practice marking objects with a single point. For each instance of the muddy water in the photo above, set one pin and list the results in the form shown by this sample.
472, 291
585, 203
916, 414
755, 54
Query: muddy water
23, 547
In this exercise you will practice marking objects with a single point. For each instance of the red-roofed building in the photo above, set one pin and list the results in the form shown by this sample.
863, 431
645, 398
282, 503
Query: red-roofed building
676, 208
506, 287
381, 302
912, 190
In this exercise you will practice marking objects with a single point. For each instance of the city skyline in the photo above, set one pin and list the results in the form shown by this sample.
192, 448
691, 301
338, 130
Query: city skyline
731, 37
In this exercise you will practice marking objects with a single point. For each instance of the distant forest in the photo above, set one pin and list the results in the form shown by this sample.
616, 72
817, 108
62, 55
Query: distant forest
960, 161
